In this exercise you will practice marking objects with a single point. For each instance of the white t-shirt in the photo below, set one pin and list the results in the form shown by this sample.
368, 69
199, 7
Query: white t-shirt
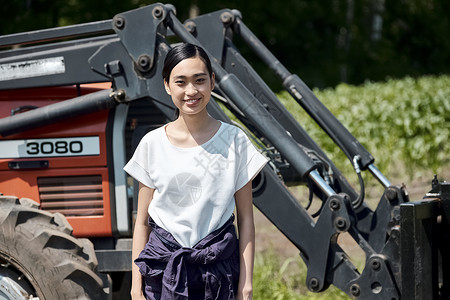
194, 187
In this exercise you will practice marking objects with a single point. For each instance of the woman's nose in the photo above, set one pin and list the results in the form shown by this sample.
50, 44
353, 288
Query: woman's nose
191, 89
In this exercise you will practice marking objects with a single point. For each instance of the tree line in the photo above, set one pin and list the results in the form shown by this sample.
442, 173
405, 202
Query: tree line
325, 42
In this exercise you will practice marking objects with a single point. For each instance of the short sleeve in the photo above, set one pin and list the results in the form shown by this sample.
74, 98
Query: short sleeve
250, 161
138, 166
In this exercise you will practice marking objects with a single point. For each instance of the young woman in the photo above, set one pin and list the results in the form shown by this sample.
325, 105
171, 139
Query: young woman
193, 173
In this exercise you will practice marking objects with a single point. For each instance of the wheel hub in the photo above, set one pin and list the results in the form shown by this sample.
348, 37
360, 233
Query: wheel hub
13, 286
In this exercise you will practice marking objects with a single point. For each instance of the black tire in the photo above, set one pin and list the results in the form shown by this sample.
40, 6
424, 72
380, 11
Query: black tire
49, 262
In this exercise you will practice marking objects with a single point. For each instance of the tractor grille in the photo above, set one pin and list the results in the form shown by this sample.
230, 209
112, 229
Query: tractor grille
72, 195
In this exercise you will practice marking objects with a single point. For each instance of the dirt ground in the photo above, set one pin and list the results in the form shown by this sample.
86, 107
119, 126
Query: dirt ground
268, 238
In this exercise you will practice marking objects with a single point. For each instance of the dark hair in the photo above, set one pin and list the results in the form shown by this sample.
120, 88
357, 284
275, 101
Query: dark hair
181, 52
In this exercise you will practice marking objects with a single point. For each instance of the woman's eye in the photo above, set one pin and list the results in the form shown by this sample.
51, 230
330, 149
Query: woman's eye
201, 80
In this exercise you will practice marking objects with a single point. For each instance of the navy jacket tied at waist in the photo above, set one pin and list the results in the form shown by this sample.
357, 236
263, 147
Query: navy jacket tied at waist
209, 270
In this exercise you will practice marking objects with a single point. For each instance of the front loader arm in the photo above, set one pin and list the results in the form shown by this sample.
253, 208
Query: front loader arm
336, 217
324, 258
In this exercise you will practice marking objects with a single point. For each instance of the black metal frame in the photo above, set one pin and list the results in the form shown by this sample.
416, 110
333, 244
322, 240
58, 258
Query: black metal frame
129, 53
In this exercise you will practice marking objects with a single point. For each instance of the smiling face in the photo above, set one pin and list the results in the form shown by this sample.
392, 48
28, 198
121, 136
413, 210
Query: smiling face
190, 86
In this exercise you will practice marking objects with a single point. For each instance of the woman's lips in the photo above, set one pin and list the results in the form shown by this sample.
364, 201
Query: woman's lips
192, 101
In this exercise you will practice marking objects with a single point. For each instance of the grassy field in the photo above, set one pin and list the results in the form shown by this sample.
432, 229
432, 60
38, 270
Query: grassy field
405, 124
280, 278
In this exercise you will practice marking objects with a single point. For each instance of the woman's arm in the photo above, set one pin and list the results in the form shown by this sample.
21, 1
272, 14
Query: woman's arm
140, 238
246, 228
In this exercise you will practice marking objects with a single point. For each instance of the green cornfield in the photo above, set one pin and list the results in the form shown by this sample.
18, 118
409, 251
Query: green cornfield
404, 123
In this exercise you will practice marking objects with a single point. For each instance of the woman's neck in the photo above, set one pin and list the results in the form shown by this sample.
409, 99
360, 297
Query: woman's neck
195, 123
192, 130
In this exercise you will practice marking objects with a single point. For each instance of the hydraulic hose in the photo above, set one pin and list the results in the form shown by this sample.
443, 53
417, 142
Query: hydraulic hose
53, 113
306, 98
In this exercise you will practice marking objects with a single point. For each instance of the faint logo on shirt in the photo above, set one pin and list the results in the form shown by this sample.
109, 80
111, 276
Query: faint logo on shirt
215, 157
184, 189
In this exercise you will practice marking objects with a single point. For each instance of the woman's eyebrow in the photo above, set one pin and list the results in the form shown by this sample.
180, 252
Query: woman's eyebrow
194, 75
200, 74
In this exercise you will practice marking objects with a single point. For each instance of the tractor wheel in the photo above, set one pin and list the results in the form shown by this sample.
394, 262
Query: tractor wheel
40, 259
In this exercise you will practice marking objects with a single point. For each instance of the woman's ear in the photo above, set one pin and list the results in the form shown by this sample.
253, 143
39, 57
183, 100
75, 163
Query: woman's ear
166, 86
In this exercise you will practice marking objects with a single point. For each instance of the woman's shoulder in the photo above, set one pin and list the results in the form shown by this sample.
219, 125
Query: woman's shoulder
233, 131
154, 135
229, 128
155, 132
